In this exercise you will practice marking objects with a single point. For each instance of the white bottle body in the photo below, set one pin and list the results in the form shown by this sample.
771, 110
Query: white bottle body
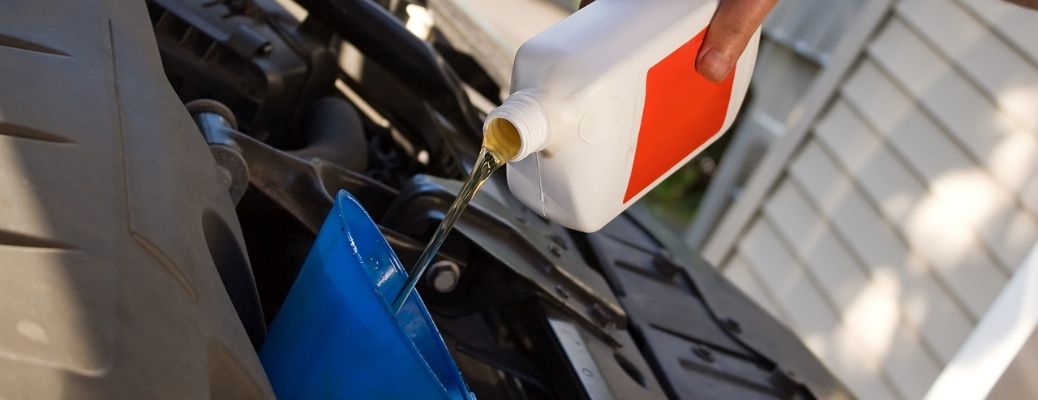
580, 92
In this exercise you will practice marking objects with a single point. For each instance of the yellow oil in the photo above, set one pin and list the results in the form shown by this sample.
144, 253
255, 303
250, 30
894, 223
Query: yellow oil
500, 144
501, 139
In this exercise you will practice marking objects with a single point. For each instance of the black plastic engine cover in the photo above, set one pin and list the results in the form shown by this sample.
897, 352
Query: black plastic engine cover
703, 337
247, 55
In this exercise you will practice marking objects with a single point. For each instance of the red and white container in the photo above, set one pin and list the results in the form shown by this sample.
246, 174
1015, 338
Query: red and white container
607, 103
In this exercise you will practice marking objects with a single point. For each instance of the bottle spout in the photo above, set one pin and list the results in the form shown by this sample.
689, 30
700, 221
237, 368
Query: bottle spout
518, 128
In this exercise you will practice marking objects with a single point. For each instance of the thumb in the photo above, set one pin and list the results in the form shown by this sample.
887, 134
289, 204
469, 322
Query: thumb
733, 25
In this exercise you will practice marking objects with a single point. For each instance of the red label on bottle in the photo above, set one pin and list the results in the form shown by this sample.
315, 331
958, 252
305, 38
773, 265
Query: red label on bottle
682, 111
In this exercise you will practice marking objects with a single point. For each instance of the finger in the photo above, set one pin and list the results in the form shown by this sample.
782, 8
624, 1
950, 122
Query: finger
733, 25
1025, 3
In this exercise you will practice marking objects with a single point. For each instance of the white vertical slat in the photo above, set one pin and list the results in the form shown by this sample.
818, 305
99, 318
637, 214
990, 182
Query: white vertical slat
1009, 152
1002, 72
926, 221
740, 274
1016, 24
829, 186
908, 368
907, 128
810, 317
921, 177
771, 167
997, 340
867, 160
986, 205
928, 305
871, 306
1030, 192
837, 272
809, 313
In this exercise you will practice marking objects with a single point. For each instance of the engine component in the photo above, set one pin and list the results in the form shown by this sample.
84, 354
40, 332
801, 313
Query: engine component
116, 233
368, 27
704, 337
246, 56
212, 116
132, 287
555, 314
443, 276
333, 132
523, 245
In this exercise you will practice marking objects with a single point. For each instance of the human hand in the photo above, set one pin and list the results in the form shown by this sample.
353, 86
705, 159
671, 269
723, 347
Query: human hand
1025, 3
733, 25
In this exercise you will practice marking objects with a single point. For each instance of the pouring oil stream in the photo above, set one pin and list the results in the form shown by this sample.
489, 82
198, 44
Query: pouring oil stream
500, 144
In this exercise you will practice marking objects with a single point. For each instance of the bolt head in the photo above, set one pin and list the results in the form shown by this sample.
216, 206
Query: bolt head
443, 276
555, 250
703, 353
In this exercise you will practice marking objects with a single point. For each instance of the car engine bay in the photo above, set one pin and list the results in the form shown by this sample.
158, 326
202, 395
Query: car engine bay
295, 109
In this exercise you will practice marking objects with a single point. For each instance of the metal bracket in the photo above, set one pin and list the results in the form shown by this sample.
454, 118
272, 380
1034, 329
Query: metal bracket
527, 245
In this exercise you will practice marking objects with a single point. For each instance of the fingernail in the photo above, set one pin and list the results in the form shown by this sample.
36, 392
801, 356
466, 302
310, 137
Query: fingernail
714, 65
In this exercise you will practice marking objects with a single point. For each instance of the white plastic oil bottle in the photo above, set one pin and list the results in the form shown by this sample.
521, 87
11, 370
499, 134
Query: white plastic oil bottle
607, 103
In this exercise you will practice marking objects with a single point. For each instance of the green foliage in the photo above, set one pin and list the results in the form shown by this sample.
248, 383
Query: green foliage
677, 198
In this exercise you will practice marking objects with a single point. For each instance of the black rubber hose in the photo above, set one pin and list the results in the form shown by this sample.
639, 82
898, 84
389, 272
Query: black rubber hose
385, 40
334, 133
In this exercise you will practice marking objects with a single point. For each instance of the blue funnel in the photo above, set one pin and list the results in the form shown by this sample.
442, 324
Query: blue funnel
335, 336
